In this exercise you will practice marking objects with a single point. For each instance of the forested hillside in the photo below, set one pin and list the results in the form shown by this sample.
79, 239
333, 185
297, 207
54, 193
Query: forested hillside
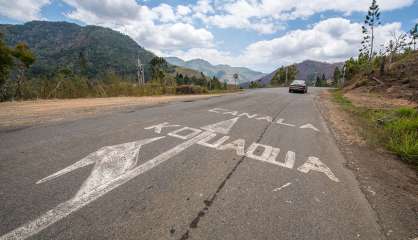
64, 60
89, 50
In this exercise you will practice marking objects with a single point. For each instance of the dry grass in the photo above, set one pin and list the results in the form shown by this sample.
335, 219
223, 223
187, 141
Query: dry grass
14, 114
341, 121
377, 101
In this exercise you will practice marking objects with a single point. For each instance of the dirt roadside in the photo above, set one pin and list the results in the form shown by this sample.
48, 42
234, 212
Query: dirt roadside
24, 113
390, 186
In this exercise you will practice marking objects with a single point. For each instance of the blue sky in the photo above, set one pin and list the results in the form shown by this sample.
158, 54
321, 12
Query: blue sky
260, 34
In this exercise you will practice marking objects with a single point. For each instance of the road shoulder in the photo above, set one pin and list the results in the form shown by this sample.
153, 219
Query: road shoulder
389, 185
20, 114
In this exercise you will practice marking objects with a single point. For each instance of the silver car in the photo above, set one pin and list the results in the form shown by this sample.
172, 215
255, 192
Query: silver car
298, 86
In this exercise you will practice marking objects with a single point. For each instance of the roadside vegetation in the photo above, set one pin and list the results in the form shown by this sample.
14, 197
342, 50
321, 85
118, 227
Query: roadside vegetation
391, 68
394, 129
392, 73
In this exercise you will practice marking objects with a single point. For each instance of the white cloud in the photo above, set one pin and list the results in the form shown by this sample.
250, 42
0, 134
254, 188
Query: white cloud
203, 7
211, 55
22, 10
165, 13
267, 16
183, 10
332, 40
159, 28
171, 30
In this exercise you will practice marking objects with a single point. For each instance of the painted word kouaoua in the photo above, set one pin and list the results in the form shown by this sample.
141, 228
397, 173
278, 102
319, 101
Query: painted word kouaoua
265, 153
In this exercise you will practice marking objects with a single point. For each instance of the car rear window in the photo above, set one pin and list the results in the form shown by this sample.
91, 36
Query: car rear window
298, 82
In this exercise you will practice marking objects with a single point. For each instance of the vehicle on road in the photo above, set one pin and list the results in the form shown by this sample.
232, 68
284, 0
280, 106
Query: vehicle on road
298, 86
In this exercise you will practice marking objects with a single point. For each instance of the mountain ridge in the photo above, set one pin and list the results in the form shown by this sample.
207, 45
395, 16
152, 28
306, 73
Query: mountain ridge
221, 71
306, 71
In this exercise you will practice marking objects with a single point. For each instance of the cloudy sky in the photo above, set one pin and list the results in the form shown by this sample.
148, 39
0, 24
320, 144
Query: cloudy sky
260, 34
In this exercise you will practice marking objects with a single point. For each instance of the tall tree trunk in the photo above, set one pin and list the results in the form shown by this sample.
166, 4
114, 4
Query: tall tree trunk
19, 81
371, 45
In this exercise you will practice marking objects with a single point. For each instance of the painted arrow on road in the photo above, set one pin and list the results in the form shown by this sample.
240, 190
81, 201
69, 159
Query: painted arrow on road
113, 166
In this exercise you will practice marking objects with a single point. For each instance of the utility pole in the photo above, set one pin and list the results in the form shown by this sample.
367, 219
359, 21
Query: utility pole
140, 73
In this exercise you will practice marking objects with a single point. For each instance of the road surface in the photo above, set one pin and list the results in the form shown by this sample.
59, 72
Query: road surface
256, 165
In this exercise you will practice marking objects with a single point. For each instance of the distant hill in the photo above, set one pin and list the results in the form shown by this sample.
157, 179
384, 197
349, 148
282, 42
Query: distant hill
90, 50
306, 71
223, 72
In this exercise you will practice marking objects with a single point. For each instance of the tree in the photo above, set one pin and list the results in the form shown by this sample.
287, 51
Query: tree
318, 81
236, 76
6, 61
337, 74
414, 35
179, 79
284, 73
395, 45
83, 63
214, 83
25, 59
292, 71
159, 67
370, 23
279, 77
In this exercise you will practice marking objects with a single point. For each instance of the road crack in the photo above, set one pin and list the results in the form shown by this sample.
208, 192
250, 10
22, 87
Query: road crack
209, 202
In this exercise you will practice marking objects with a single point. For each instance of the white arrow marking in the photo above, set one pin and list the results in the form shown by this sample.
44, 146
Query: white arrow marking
96, 185
114, 166
315, 164
118, 158
310, 126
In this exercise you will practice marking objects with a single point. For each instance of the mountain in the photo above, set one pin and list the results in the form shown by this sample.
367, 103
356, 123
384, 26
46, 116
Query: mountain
306, 71
222, 72
90, 50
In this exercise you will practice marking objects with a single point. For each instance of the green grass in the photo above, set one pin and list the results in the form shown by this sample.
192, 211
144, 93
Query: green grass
395, 129
340, 99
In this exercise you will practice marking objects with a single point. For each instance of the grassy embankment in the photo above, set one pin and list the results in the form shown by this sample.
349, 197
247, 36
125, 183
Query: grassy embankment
394, 129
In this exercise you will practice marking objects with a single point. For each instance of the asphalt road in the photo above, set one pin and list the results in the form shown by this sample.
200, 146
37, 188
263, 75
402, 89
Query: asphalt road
215, 170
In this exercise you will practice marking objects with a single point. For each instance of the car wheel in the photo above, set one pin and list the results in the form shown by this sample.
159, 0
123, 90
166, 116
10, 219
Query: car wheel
290, 91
